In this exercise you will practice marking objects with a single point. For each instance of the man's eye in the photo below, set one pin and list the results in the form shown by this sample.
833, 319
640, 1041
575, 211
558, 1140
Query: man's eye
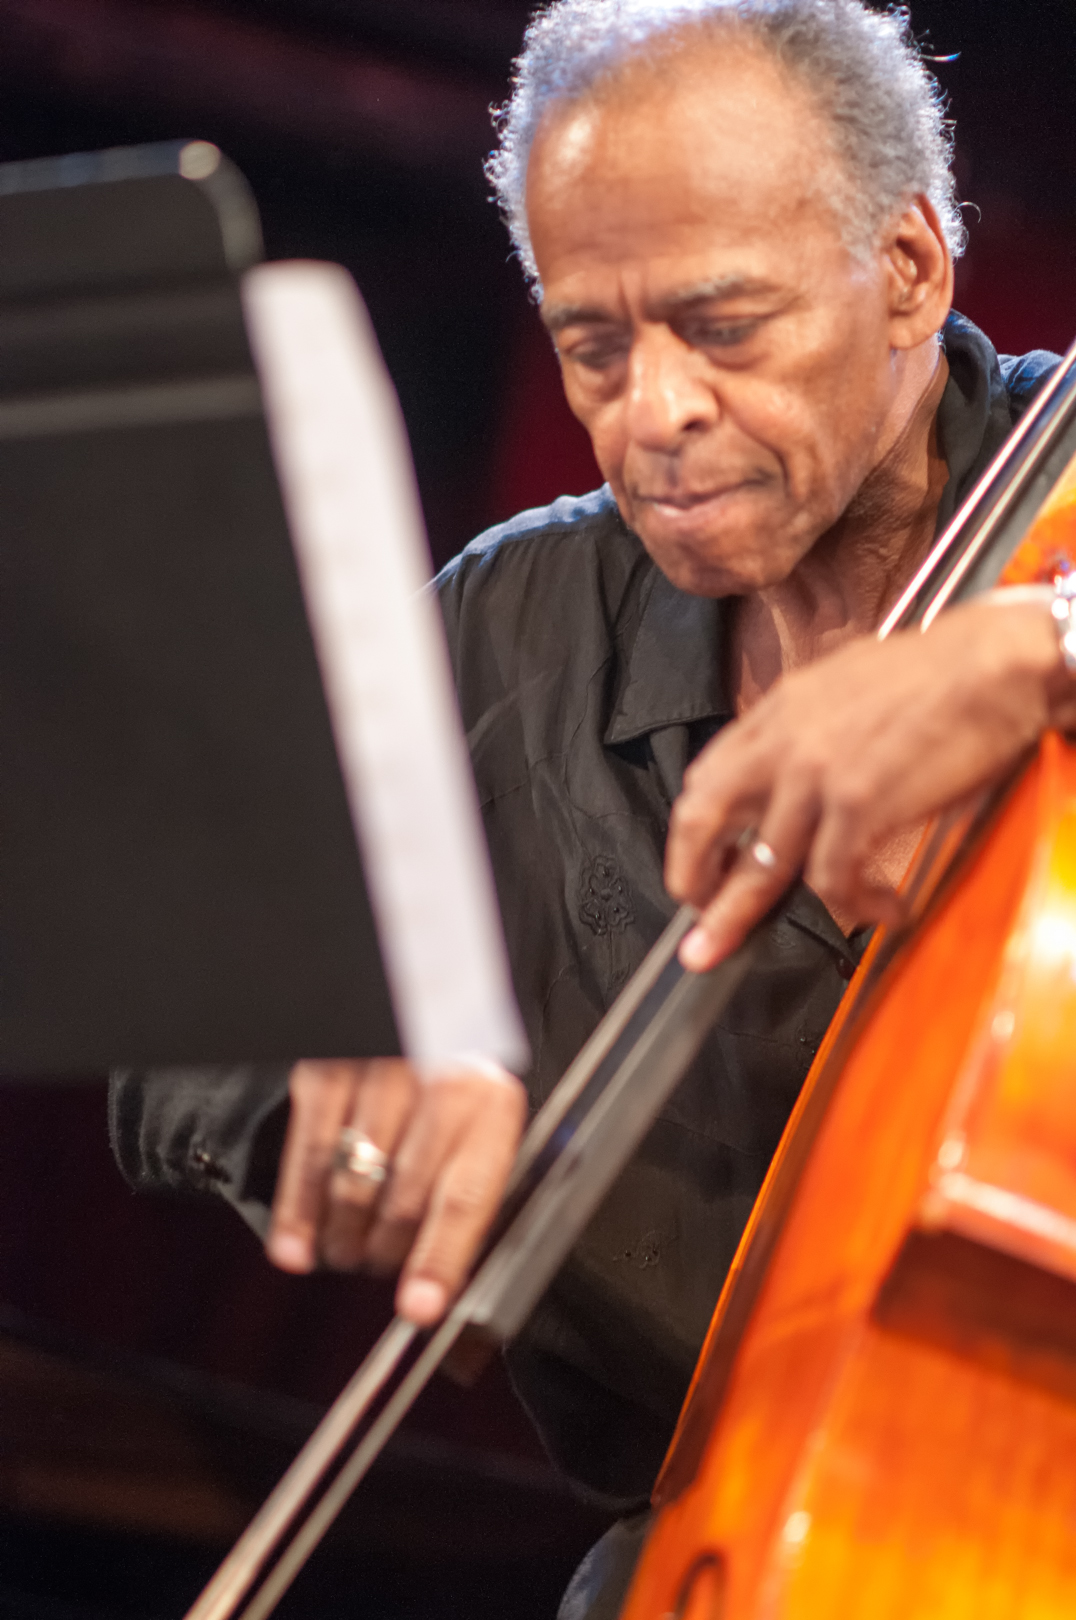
719, 334
596, 354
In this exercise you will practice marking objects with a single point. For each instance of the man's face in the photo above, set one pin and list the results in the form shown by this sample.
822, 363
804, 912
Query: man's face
728, 356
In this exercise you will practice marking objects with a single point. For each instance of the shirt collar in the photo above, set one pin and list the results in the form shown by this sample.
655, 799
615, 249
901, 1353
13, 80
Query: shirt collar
974, 416
672, 661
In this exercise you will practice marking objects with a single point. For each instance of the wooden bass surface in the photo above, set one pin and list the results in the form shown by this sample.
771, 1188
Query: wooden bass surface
883, 1421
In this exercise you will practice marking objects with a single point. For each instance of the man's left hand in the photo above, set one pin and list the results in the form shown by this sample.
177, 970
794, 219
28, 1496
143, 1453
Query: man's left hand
849, 752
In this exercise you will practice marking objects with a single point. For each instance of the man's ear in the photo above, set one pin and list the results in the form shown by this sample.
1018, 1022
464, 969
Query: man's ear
919, 271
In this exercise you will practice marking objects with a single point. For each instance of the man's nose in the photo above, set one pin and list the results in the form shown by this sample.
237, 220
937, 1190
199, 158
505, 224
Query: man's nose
667, 395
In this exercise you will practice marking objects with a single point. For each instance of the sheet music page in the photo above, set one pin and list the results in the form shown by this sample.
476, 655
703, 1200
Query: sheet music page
345, 470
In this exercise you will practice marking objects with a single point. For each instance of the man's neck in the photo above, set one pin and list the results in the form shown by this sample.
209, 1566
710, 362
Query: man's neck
855, 572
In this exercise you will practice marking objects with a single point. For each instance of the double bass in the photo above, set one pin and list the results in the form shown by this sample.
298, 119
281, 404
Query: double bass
883, 1419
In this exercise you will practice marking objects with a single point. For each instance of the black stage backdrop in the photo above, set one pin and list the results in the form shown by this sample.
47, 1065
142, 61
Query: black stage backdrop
154, 1372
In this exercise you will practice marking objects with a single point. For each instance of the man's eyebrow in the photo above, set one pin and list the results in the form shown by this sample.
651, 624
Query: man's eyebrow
714, 288
556, 317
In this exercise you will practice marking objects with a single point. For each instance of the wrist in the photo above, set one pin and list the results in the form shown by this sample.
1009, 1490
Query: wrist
1040, 641
1063, 613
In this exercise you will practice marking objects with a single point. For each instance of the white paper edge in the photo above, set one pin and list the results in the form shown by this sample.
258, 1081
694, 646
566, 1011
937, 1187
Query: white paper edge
345, 472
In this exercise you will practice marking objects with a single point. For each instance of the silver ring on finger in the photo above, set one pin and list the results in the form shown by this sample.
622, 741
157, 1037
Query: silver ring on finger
764, 855
359, 1157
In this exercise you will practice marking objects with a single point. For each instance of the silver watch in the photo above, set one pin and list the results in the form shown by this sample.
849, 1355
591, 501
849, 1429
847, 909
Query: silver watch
1063, 608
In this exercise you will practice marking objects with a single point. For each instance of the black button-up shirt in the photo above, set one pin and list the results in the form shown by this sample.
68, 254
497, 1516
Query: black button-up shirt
587, 682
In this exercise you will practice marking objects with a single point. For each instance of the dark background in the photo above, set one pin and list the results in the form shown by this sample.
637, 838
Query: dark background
154, 1373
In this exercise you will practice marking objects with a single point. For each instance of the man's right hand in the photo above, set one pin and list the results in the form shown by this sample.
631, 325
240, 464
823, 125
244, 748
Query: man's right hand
449, 1137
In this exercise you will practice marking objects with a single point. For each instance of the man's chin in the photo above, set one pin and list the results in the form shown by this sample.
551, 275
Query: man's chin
721, 569
724, 546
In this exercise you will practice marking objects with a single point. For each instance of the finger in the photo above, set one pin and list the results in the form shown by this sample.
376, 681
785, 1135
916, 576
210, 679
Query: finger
706, 823
878, 903
441, 1115
384, 1099
846, 832
465, 1199
842, 866
725, 790
321, 1097
754, 885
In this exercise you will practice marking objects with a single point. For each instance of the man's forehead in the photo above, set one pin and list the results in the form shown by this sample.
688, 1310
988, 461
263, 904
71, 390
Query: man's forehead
720, 174
660, 302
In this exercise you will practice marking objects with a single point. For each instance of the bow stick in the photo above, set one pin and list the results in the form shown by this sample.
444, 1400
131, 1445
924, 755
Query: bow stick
569, 1158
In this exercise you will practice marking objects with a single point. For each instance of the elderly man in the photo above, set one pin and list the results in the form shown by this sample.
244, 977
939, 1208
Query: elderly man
740, 223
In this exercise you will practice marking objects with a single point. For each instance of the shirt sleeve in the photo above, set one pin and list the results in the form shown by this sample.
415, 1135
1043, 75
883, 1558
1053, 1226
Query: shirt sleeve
202, 1130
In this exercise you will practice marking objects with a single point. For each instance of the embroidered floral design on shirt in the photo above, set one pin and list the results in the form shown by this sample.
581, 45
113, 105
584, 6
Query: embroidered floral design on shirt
605, 898
648, 1251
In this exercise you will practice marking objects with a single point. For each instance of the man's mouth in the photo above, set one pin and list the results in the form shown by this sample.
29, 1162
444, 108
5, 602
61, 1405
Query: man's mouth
680, 500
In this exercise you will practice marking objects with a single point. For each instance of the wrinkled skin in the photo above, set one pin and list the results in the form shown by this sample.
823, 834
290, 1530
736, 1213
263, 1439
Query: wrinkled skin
762, 402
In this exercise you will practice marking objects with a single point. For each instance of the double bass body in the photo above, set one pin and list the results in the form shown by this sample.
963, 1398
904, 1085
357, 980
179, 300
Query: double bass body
883, 1422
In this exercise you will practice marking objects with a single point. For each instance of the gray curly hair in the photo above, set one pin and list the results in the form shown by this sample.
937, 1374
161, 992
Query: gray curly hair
863, 67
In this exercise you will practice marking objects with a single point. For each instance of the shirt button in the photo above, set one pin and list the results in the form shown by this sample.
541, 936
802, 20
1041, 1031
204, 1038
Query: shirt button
207, 1166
